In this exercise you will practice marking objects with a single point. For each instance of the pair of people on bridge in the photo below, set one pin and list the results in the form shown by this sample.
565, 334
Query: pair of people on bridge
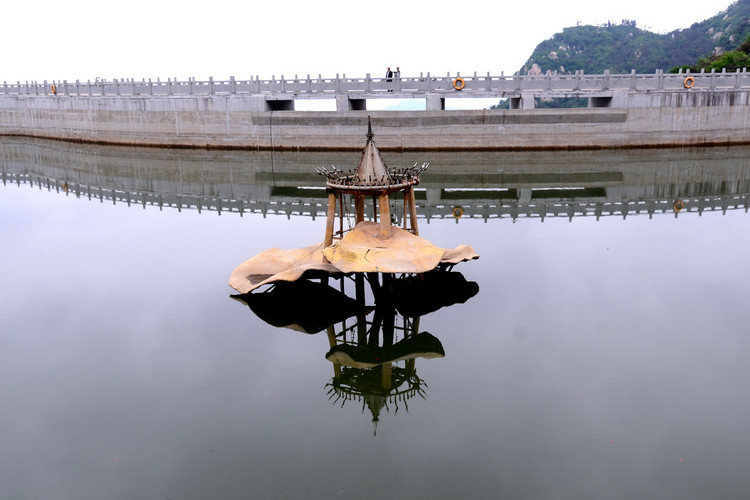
390, 75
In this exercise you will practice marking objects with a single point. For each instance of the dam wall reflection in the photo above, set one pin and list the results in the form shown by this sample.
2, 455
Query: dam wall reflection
486, 185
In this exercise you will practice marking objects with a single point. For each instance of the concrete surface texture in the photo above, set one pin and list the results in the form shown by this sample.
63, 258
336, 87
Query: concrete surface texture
623, 111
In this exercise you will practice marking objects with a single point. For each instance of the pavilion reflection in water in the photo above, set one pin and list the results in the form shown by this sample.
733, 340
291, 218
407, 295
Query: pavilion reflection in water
374, 337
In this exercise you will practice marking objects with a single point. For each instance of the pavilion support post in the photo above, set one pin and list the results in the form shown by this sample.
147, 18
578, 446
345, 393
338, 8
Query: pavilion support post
413, 330
332, 342
409, 366
386, 380
406, 208
359, 289
330, 219
359, 208
385, 216
331, 332
413, 211
341, 215
361, 329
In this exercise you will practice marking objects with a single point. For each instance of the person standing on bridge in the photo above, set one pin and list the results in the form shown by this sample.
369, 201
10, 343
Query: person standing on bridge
389, 77
397, 73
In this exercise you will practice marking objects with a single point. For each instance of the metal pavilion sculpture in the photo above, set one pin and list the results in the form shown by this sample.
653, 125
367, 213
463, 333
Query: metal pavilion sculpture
374, 246
371, 178
416, 279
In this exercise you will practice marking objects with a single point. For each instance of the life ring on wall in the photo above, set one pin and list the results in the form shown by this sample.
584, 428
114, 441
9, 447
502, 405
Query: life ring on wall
678, 205
458, 211
53, 88
689, 82
458, 83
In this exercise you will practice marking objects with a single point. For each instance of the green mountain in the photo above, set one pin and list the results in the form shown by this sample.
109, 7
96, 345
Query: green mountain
730, 61
623, 47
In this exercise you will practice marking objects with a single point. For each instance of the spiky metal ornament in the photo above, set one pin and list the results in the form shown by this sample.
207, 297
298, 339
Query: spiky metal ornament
372, 174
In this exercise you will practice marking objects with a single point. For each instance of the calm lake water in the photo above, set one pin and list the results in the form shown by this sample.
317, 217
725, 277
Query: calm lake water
603, 357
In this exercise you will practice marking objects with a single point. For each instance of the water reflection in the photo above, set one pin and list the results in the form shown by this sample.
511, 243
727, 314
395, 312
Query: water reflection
484, 185
600, 354
374, 336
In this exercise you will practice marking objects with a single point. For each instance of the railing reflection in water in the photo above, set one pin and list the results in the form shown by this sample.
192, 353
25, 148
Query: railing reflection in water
476, 185
486, 208
374, 337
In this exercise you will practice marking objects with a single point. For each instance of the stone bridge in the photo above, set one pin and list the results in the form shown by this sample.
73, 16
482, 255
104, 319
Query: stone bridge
351, 93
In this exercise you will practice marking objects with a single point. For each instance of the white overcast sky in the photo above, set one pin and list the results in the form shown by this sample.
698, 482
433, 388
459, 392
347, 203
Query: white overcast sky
46, 39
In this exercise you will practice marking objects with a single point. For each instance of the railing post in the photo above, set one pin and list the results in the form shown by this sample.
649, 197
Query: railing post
232, 85
368, 82
632, 79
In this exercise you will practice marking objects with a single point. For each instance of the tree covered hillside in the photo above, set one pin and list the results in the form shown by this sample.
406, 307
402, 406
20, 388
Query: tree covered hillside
623, 47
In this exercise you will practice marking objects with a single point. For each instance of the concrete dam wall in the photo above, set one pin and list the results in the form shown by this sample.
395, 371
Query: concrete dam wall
662, 112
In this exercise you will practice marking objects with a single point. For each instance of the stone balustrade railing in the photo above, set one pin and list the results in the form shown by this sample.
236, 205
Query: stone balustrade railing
415, 86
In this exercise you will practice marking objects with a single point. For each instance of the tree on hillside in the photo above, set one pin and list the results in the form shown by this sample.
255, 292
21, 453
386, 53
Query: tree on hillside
730, 61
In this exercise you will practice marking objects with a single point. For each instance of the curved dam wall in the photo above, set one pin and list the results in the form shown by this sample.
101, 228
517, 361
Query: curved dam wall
630, 119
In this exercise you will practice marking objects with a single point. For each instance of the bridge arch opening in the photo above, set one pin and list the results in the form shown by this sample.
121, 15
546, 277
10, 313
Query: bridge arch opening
315, 105
470, 103
280, 105
385, 104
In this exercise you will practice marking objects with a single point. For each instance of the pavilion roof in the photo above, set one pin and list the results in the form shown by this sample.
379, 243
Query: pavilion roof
372, 169
371, 174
